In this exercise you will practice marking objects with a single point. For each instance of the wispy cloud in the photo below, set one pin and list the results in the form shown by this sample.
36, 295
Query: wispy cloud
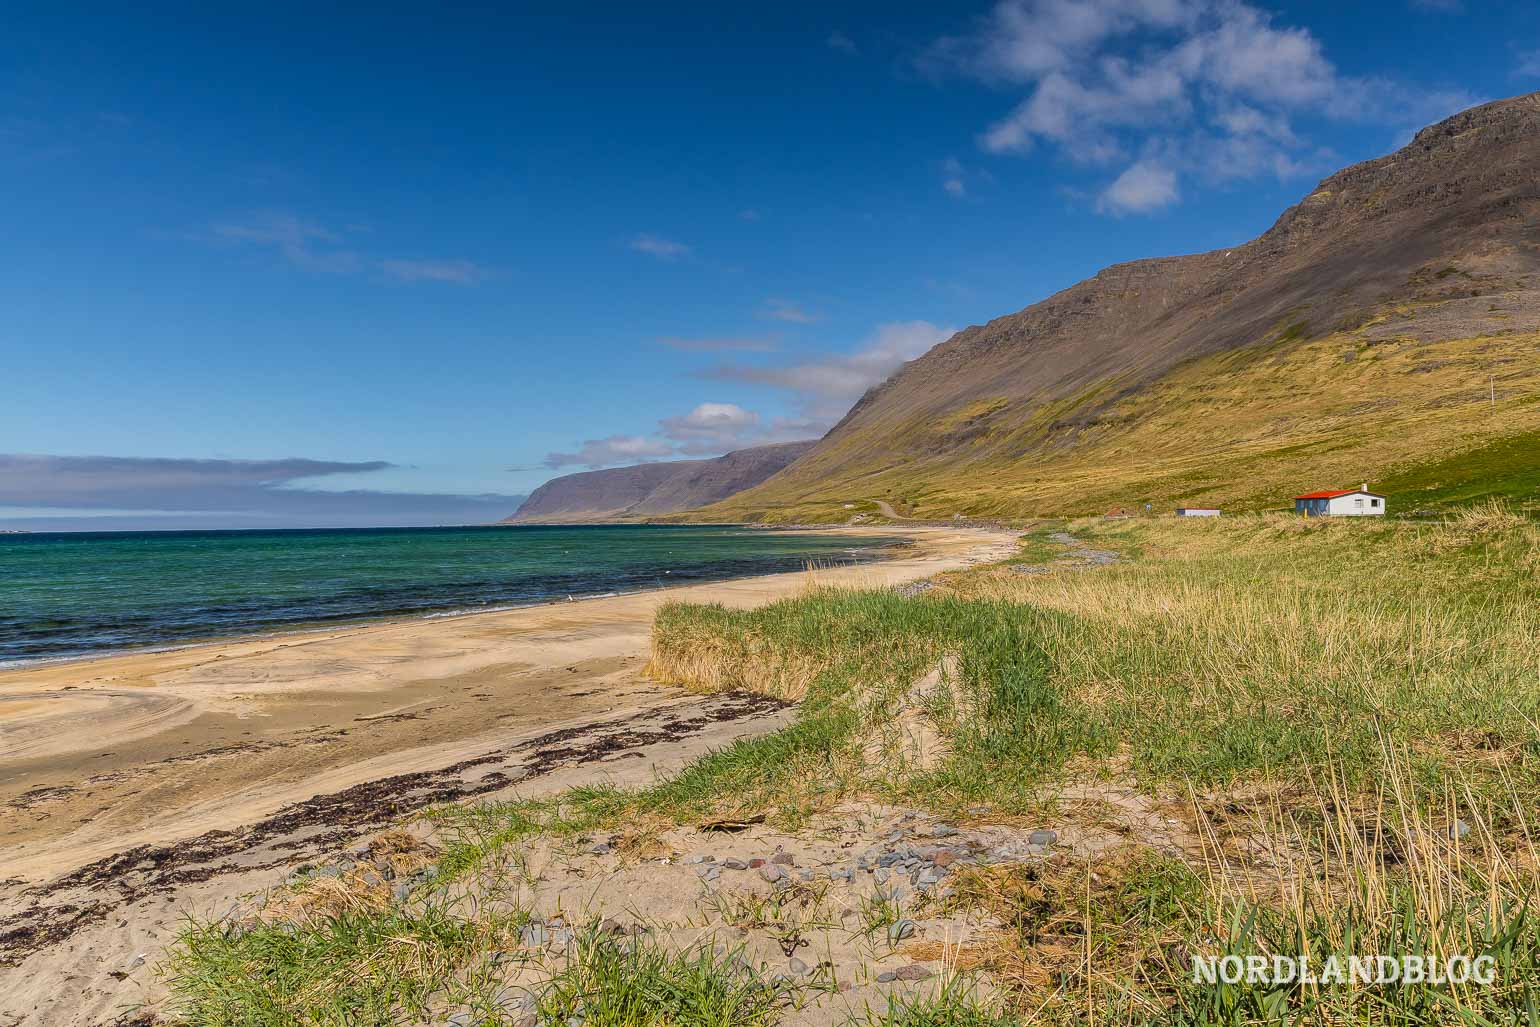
214, 492
709, 429
303, 244
1529, 64
320, 250
1162, 90
826, 386
459, 272
839, 41
726, 344
611, 451
657, 246
786, 310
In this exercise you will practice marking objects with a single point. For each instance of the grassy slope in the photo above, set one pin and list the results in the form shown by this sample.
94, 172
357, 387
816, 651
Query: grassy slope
1245, 429
1317, 701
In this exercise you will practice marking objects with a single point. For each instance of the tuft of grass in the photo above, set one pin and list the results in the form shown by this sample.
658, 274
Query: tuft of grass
358, 967
610, 983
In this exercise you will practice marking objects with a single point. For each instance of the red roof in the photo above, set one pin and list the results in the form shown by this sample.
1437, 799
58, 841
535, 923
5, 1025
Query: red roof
1328, 494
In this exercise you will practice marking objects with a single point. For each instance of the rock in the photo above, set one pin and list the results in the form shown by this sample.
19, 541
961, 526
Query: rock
880, 876
1459, 829
887, 977
534, 935
785, 859
735, 864
943, 831
137, 961
609, 925
899, 930
562, 936
401, 891
1043, 837
461, 1020
913, 972
927, 877
509, 998
692, 860
755, 864
798, 967
944, 859
601, 849
772, 873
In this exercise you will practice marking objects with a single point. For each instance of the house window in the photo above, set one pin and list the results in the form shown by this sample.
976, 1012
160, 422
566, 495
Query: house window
1374, 502
1359, 502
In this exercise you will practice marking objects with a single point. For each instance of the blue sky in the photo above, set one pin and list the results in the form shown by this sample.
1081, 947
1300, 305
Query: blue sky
255, 258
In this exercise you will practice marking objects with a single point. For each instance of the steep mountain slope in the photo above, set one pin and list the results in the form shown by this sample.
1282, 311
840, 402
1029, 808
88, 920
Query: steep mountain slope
649, 489
1366, 320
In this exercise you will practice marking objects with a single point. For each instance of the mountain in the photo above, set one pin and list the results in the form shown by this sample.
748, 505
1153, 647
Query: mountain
1385, 326
631, 493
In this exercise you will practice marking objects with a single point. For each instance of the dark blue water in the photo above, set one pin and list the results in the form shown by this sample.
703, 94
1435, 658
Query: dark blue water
72, 594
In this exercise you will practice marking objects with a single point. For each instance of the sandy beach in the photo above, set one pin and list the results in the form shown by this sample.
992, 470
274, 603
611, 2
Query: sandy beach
210, 769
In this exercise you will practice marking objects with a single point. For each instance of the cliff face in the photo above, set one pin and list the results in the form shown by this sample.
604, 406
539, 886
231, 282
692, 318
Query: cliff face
651, 489
1437, 241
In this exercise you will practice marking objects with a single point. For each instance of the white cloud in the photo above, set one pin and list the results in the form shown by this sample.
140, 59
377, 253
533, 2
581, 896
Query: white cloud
786, 310
1143, 187
1206, 89
823, 388
657, 246
711, 428
612, 451
826, 387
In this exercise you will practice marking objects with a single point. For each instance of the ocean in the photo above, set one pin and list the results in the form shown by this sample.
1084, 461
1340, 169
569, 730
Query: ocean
82, 593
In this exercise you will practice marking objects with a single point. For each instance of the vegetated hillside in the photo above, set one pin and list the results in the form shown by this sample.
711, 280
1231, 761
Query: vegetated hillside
648, 489
1360, 338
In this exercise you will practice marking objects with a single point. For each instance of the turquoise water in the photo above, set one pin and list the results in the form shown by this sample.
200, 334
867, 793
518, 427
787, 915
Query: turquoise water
72, 594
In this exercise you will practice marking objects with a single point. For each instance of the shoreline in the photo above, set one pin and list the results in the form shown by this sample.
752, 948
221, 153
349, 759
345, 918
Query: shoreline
138, 789
449, 612
137, 748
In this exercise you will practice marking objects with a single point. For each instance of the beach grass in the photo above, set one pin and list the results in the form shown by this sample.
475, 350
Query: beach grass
1334, 723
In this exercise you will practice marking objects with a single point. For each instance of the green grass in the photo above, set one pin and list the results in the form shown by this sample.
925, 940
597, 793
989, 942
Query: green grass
1504, 468
359, 966
609, 983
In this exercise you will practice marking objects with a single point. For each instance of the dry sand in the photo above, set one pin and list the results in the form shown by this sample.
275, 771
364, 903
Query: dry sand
135, 786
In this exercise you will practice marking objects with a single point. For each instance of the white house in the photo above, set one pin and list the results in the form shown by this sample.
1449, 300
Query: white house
1197, 511
1341, 503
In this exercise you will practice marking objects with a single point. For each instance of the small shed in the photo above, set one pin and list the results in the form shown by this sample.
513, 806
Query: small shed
1197, 511
1358, 502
